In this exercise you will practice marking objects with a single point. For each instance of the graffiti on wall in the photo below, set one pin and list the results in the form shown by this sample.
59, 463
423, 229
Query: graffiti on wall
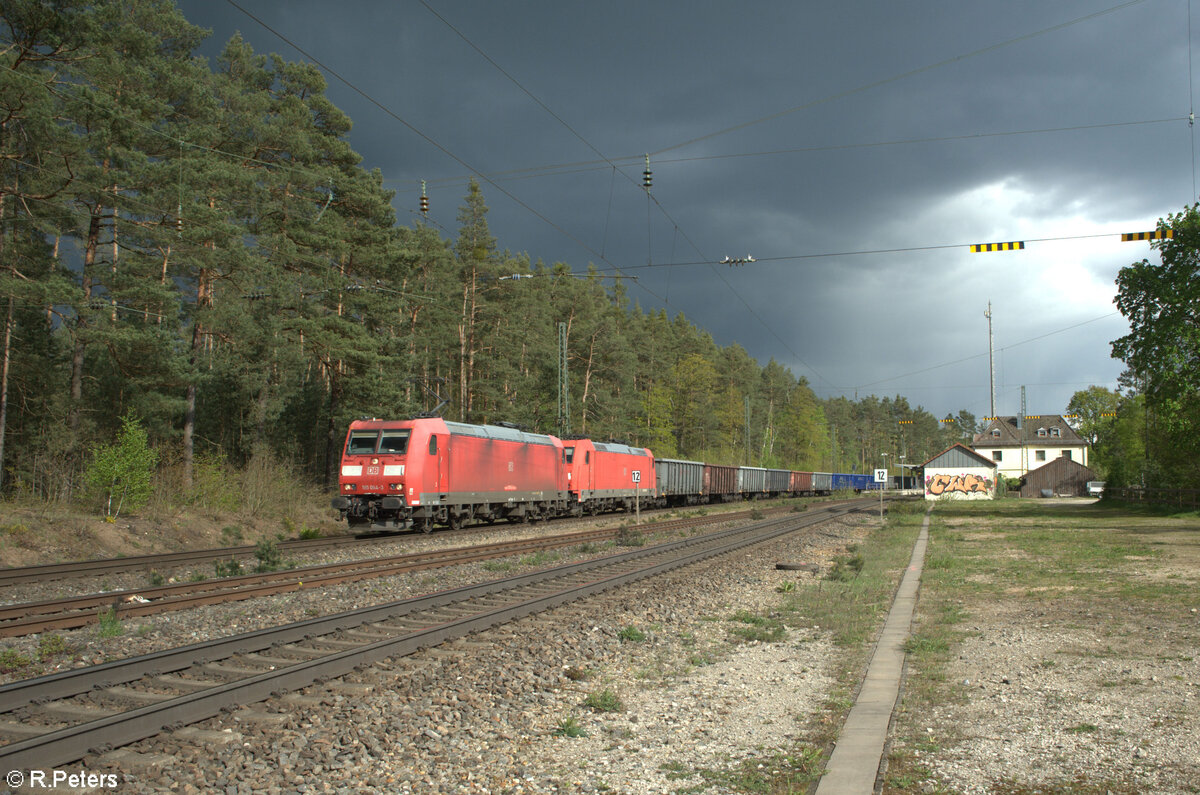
940, 484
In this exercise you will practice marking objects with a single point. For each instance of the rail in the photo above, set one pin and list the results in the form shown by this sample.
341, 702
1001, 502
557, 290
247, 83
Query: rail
316, 649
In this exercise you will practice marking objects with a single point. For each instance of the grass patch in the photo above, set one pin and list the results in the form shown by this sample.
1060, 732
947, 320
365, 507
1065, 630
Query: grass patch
631, 634
1075, 566
569, 727
630, 537
753, 627
13, 662
498, 565
110, 625
603, 701
780, 772
541, 558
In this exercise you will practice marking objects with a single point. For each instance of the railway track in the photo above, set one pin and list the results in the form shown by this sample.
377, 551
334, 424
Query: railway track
57, 719
77, 611
165, 560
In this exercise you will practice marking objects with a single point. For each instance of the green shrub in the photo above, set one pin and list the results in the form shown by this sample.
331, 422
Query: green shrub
630, 537
119, 475
224, 568
846, 569
52, 646
12, 661
269, 556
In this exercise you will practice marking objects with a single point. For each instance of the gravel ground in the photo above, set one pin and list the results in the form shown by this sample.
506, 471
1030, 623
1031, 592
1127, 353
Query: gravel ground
1048, 703
86, 646
481, 715
1048, 696
1051, 689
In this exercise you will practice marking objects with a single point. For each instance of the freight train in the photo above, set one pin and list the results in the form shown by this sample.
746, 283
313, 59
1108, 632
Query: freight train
430, 471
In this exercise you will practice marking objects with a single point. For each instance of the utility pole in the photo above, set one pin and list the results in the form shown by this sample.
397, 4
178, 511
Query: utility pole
747, 430
564, 413
991, 361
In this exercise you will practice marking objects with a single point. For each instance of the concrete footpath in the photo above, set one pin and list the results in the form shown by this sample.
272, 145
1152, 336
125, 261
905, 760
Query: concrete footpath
858, 755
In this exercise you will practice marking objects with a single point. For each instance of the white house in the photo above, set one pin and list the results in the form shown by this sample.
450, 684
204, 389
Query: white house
1020, 444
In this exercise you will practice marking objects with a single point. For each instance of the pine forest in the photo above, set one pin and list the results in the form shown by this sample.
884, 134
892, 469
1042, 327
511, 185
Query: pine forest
194, 248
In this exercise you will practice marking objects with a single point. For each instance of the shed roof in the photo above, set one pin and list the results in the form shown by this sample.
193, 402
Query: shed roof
959, 455
1009, 435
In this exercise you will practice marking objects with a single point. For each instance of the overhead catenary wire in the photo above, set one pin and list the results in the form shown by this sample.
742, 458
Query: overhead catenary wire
630, 161
874, 251
1065, 329
428, 139
898, 77
646, 185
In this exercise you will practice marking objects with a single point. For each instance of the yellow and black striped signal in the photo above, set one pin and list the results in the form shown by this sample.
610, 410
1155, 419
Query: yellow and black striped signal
1158, 234
1015, 245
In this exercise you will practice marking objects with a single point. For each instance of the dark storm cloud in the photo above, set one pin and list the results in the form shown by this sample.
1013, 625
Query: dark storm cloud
850, 144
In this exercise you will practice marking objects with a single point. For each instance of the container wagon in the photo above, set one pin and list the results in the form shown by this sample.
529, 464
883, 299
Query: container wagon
679, 482
802, 483
720, 483
779, 482
752, 482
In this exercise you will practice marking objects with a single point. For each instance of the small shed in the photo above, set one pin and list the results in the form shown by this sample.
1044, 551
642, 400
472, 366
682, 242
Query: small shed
959, 473
1061, 477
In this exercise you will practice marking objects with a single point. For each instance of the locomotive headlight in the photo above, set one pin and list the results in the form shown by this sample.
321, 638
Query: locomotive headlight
395, 486
374, 461
349, 487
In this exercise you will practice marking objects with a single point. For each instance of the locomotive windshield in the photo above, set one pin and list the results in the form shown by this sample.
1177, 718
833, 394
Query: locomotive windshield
394, 441
390, 441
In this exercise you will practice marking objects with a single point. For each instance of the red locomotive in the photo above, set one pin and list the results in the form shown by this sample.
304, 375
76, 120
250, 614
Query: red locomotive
431, 471
607, 476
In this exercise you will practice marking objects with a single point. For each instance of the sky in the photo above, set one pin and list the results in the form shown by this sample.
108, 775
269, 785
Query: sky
856, 150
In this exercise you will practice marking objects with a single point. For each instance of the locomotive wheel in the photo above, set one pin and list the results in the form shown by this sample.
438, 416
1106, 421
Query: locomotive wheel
455, 521
423, 525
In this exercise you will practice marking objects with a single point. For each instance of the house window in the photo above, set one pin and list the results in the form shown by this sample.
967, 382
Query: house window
1067, 454
1055, 432
997, 455
1041, 432
996, 432
1039, 455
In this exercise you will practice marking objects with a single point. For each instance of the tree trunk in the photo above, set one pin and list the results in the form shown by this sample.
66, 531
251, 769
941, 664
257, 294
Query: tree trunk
89, 262
8, 321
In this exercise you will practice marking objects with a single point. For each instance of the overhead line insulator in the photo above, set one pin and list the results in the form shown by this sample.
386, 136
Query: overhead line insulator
647, 175
1158, 234
1015, 245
